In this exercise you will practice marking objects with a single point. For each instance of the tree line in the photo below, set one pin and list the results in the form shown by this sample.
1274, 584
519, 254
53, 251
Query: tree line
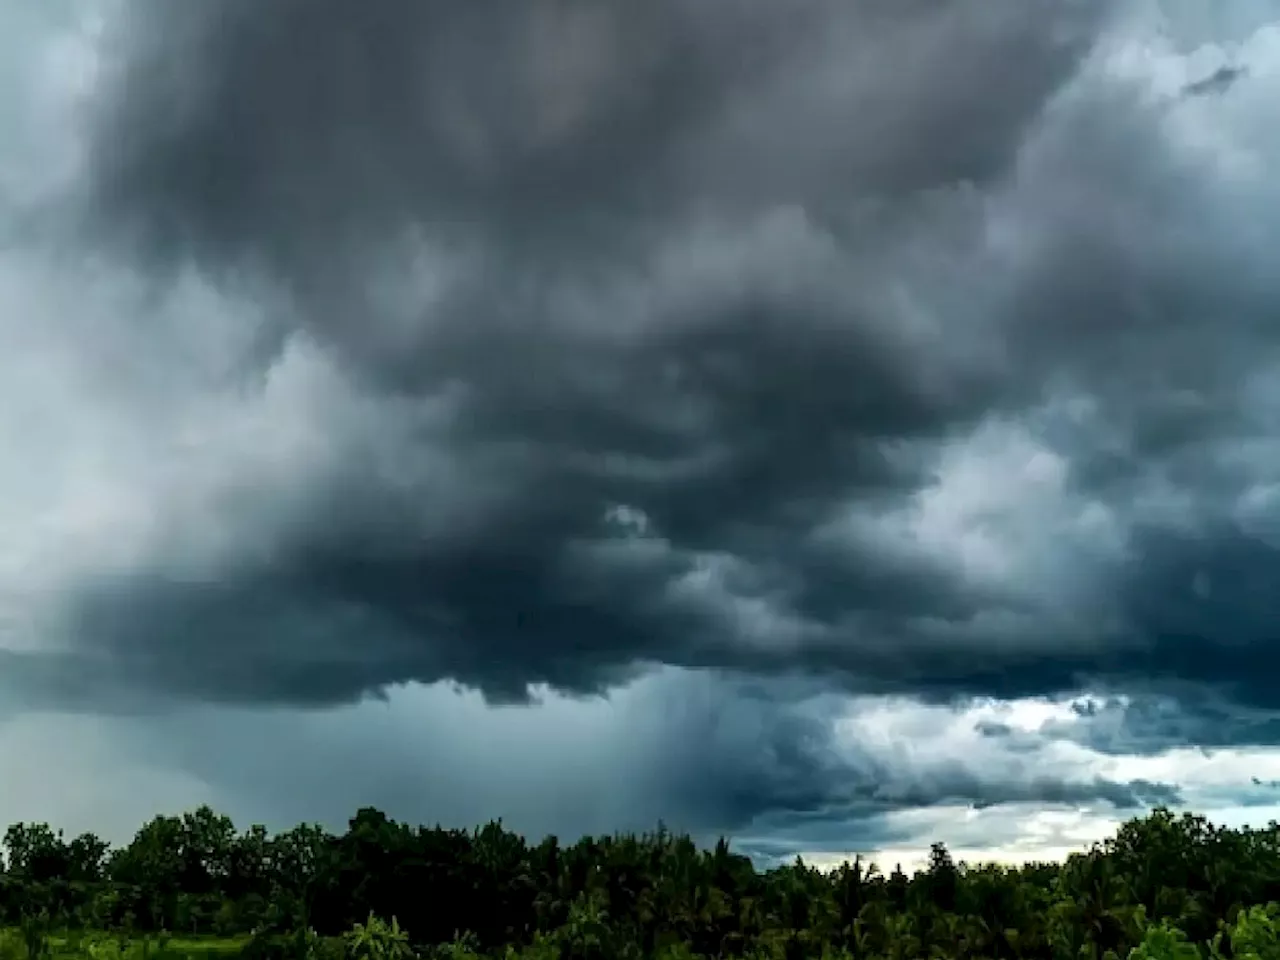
489, 891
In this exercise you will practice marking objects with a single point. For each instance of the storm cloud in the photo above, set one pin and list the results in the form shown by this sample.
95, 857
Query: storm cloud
853, 348
669, 334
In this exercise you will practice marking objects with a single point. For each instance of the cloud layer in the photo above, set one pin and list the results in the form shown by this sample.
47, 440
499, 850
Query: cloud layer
866, 349
822, 775
704, 335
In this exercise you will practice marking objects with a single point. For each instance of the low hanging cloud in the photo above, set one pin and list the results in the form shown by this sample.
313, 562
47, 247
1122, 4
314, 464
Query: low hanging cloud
926, 349
795, 770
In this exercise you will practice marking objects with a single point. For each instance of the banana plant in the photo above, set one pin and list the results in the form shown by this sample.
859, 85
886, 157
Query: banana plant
375, 939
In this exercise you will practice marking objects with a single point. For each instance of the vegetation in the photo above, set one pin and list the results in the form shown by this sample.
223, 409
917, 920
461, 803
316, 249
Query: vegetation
1164, 887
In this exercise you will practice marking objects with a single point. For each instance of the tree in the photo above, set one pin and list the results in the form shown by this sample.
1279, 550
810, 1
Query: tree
1162, 888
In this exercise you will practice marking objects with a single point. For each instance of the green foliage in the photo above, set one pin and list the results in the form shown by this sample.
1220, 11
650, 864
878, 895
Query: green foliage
1255, 935
192, 887
1164, 942
377, 940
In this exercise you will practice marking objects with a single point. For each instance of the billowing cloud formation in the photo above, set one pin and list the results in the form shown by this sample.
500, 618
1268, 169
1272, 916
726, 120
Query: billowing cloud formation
912, 349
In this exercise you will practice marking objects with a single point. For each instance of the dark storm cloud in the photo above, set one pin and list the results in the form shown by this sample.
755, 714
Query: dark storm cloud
666, 312
295, 133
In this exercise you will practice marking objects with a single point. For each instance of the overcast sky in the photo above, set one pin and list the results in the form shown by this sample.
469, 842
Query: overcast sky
837, 425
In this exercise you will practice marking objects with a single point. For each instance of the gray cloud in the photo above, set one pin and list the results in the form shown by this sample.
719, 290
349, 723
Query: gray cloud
1217, 82
703, 753
920, 348
546, 126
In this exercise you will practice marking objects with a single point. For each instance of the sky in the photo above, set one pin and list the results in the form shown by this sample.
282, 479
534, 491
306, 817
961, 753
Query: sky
838, 426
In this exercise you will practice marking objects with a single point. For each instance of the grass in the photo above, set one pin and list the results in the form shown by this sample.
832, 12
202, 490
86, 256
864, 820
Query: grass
97, 945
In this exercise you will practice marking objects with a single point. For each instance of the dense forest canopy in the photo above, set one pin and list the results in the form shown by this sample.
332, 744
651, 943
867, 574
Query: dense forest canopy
489, 890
